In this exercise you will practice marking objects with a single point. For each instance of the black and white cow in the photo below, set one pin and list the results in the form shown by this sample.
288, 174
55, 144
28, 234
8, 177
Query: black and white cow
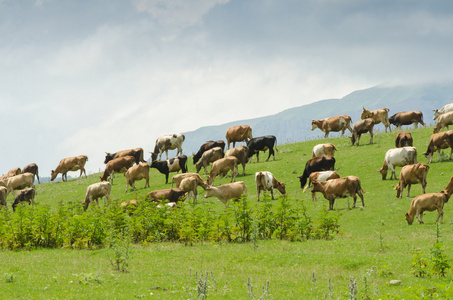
206, 146
262, 143
315, 164
171, 165
168, 142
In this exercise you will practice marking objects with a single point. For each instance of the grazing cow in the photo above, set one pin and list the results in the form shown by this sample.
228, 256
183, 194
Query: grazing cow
19, 182
378, 116
397, 157
206, 146
179, 177
238, 134
407, 118
262, 143
266, 181
324, 149
11, 173
171, 165
208, 157
168, 142
95, 191
227, 191
319, 163
69, 164
241, 153
443, 121
31, 168
427, 202
403, 139
437, 142
337, 123
446, 108
412, 174
172, 195
25, 195
137, 172
361, 127
221, 167
117, 165
137, 153
339, 188
3, 194
189, 185
320, 176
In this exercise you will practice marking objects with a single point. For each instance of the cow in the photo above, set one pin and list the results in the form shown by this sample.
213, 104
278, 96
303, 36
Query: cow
437, 142
221, 167
137, 153
443, 121
208, 157
238, 134
241, 153
172, 195
171, 165
361, 127
337, 123
403, 139
397, 157
168, 142
31, 168
128, 204
324, 149
3, 194
117, 165
427, 202
189, 185
319, 163
179, 177
339, 188
266, 181
69, 164
226, 192
446, 108
262, 143
412, 174
95, 191
320, 176
11, 173
19, 182
25, 195
206, 146
378, 116
407, 118
137, 172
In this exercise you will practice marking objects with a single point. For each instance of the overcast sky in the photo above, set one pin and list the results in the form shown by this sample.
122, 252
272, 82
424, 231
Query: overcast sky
89, 77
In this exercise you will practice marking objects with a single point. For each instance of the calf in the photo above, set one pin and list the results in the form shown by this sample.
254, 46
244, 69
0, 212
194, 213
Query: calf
25, 195
206, 146
262, 143
324, 149
361, 127
227, 191
31, 168
96, 191
172, 195
412, 174
397, 157
241, 153
320, 176
446, 108
378, 116
208, 157
437, 142
20, 182
117, 165
189, 185
221, 167
427, 202
137, 172
407, 118
339, 188
319, 163
403, 139
179, 177
266, 181
443, 121
171, 165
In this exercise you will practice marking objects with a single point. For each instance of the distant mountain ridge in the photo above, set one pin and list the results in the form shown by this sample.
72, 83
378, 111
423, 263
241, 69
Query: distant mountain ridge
294, 124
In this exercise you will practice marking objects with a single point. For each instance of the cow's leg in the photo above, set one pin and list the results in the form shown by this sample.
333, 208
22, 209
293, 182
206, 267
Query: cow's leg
358, 140
440, 214
423, 186
331, 204
243, 169
419, 216
271, 152
257, 156
258, 192
166, 178
272, 193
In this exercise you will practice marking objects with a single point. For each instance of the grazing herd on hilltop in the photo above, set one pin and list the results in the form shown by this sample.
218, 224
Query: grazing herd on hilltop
319, 171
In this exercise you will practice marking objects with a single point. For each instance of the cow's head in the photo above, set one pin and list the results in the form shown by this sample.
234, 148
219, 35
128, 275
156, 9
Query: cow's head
366, 113
153, 156
383, 172
281, 186
108, 157
314, 124
409, 219
53, 175
398, 190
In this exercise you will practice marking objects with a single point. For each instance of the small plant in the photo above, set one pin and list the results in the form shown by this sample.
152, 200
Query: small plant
439, 261
202, 287
352, 288
419, 264
120, 247
9, 278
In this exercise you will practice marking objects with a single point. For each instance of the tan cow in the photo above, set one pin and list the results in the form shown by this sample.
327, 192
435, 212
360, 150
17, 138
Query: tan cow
406, 118
437, 142
412, 174
324, 149
403, 139
179, 177
339, 188
221, 167
337, 123
11, 173
208, 157
95, 191
20, 182
320, 176
378, 116
266, 181
69, 164
241, 133
31, 168
443, 121
241, 153
189, 185
361, 127
117, 165
226, 192
427, 202
137, 172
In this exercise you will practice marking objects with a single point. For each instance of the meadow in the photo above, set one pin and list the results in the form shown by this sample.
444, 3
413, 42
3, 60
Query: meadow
372, 246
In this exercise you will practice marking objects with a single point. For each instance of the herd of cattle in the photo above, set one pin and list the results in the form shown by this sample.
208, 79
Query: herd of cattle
318, 171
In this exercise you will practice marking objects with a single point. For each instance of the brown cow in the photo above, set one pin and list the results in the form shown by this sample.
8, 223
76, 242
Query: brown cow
137, 153
324, 149
137, 172
206, 146
221, 167
403, 139
241, 153
25, 195
427, 202
337, 123
361, 127
266, 181
117, 165
437, 142
31, 168
339, 188
412, 174
443, 121
208, 157
172, 195
69, 164
407, 118
239, 133
378, 116
320, 176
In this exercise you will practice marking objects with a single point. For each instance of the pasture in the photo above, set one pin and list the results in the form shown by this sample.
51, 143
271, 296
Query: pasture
374, 244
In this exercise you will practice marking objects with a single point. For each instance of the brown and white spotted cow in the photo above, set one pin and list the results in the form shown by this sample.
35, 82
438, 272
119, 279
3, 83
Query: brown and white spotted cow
167, 142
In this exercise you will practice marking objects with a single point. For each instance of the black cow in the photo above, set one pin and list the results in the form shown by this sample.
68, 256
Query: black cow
171, 165
315, 164
262, 143
137, 153
206, 146
27, 194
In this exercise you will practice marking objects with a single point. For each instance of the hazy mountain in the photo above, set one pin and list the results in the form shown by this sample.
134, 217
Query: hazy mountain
294, 124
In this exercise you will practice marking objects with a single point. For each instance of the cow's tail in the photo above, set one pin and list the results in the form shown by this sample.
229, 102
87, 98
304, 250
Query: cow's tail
276, 145
359, 187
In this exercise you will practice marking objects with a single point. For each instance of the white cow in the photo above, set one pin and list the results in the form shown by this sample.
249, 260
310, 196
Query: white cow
266, 181
168, 142
398, 157
446, 108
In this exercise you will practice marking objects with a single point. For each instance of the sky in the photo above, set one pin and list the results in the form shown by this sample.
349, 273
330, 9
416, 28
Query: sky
89, 77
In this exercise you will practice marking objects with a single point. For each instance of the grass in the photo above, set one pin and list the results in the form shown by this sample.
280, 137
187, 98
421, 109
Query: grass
375, 244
